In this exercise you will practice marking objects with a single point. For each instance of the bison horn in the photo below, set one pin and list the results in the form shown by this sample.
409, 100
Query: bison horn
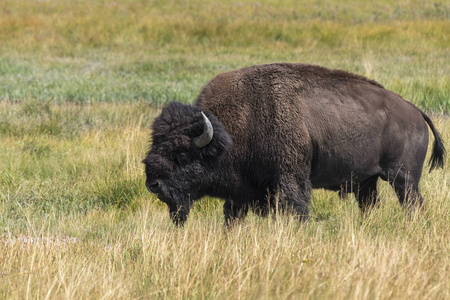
207, 135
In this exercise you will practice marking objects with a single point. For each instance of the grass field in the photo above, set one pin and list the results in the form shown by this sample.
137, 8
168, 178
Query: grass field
80, 83
155, 51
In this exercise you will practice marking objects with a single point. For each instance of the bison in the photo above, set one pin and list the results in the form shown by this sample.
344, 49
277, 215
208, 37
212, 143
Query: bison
265, 136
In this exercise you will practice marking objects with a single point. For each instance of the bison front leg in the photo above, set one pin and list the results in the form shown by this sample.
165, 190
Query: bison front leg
234, 212
293, 196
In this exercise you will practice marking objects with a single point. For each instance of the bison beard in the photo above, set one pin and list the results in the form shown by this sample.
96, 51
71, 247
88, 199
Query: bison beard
262, 137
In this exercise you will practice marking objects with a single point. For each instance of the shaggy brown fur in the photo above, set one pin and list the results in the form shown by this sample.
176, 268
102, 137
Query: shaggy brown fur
293, 127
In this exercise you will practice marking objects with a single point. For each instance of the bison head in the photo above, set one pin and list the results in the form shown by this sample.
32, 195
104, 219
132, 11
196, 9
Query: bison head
186, 145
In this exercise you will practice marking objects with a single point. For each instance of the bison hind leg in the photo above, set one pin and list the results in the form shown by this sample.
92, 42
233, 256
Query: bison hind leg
407, 189
367, 195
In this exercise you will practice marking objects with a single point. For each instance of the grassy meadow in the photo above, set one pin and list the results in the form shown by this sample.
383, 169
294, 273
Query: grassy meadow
81, 82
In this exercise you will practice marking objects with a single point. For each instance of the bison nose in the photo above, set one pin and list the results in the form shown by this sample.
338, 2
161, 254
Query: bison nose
154, 187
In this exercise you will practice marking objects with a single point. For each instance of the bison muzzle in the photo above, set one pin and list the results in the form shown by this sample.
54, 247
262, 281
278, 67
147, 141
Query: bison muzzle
264, 136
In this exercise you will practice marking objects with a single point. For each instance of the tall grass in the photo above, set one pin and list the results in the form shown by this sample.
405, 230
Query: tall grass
81, 82
77, 222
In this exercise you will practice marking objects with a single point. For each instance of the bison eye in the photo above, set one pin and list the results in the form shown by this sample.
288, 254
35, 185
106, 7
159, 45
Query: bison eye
182, 158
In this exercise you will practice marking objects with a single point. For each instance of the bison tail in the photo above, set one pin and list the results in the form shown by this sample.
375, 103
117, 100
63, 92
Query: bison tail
437, 156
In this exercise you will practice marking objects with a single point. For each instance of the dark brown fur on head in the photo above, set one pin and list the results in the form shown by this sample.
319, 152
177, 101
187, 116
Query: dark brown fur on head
176, 169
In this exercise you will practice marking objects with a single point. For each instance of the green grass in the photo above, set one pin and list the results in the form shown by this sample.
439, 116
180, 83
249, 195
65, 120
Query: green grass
87, 51
80, 84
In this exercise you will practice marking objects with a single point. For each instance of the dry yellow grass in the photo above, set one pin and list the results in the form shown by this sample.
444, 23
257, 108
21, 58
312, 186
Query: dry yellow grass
136, 252
75, 218
259, 259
